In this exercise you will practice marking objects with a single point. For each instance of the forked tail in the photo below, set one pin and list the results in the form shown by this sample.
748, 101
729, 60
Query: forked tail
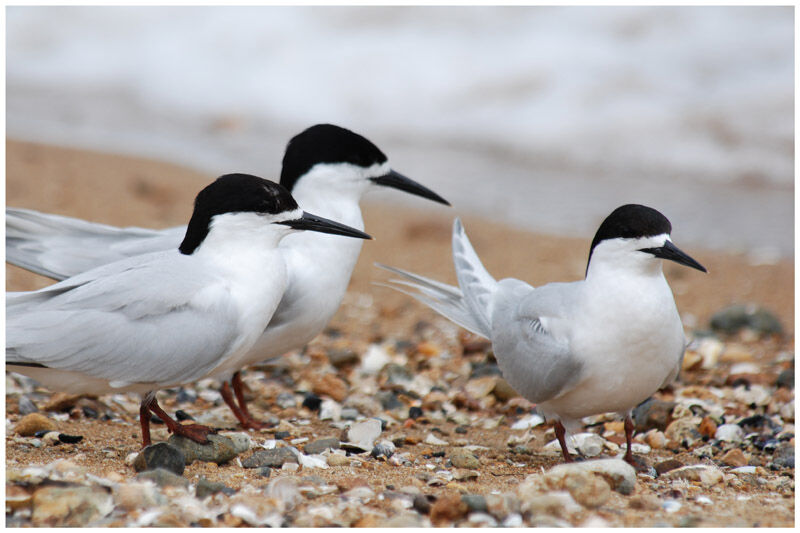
468, 305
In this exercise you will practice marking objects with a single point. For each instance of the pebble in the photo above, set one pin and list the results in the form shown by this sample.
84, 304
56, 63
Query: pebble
652, 414
33, 423
434, 440
321, 445
207, 488
219, 449
475, 502
160, 455
655, 439
619, 475
131, 496
385, 448
336, 459
729, 433
737, 317
364, 434
645, 502
163, 478
332, 386
529, 421
70, 506
684, 431
274, 458
734, 457
26, 405
706, 475
312, 402
556, 503
588, 489
785, 379
448, 508
784, 455
461, 458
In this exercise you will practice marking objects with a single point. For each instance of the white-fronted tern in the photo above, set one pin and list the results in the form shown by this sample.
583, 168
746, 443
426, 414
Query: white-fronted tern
170, 317
602, 344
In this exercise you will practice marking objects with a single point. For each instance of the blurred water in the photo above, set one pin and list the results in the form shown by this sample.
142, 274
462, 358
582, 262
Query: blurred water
546, 118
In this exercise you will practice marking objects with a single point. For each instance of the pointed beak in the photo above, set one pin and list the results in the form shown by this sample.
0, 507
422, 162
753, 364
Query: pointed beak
673, 253
398, 181
311, 222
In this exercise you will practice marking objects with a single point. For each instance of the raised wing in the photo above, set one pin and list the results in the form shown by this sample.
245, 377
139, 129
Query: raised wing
60, 247
530, 340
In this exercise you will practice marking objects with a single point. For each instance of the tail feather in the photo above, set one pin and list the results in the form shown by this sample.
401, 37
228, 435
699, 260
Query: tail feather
469, 305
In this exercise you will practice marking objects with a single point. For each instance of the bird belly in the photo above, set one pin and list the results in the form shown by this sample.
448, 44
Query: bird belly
621, 370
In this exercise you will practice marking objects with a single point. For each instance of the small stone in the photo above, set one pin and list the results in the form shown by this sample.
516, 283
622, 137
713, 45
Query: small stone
50, 438
666, 466
645, 502
385, 448
704, 474
61, 401
275, 458
784, 455
160, 455
219, 449
241, 441
131, 496
463, 458
26, 405
481, 387
433, 439
70, 506
414, 412
734, 458
588, 444
729, 433
207, 488
588, 489
503, 391
421, 504
707, 427
475, 502
33, 423
655, 439
163, 478
364, 434
785, 379
69, 439
653, 414
619, 475
463, 474
447, 509
312, 402
684, 431
330, 385
336, 459
320, 445
556, 503
736, 317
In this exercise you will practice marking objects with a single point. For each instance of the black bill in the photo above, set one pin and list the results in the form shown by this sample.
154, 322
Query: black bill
673, 253
396, 180
311, 222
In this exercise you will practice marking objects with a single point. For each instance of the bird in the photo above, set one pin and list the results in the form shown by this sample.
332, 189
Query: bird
326, 167
602, 344
170, 317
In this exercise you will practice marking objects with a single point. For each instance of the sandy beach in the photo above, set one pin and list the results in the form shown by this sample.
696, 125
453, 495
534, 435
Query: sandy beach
127, 191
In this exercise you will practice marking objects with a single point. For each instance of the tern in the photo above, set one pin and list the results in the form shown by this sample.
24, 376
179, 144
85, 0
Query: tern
327, 169
170, 317
601, 344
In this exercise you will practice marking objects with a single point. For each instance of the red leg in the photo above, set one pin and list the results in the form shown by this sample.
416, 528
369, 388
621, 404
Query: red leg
561, 436
636, 463
144, 420
629, 439
195, 432
238, 389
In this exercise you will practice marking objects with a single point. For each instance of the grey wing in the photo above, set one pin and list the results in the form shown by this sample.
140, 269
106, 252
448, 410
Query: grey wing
59, 247
145, 324
529, 340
